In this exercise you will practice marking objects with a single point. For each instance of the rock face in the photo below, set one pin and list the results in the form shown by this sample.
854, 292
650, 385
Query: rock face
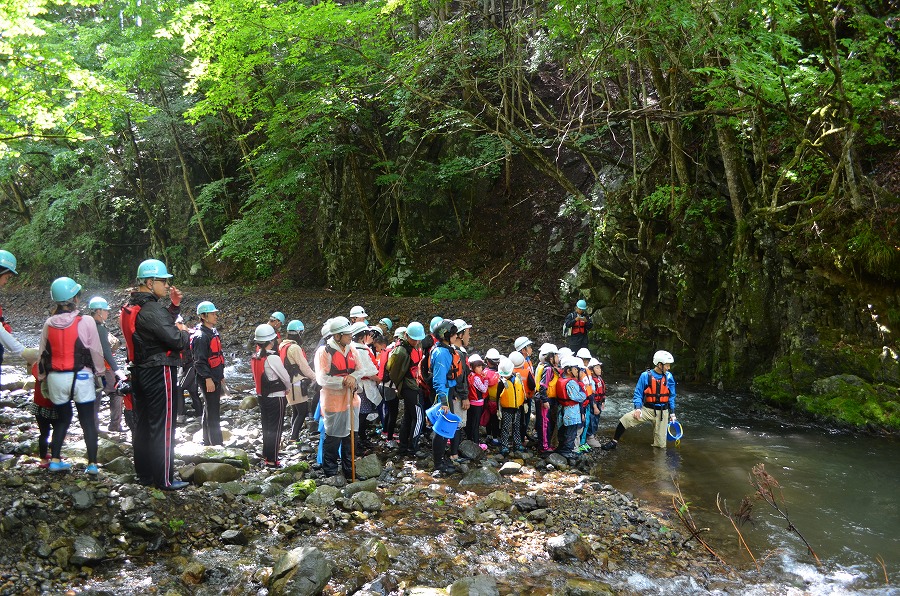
213, 472
87, 551
303, 571
569, 545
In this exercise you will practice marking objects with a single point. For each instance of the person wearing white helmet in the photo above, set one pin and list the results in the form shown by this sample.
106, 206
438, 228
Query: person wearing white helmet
112, 374
478, 387
654, 401
272, 381
571, 397
525, 370
370, 397
403, 369
564, 353
511, 397
460, 404
490, 415
70, 351
595, 403
577, 325
339, 367
155, 342
358, 314
546, 406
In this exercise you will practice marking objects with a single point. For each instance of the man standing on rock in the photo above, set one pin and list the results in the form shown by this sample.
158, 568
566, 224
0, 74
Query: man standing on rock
209, 366
577, 325
154, 343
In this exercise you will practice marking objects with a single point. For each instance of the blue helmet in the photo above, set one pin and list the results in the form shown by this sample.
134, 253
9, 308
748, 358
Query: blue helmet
278, 316
98, 303
582, 304
435, 321
205, 307
8, 261
415, 331
295, 325
153, 268
389, 324
64, 289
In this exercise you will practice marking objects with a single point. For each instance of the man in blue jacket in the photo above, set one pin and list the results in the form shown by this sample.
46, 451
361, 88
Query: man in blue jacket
654, 400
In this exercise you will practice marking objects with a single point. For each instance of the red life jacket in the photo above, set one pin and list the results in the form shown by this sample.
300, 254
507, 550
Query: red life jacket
579, 326
657, 391
600, 395
216, 358
562, 396
264, 386
64, 351
341, 365
3, 322
415, 359
475, 394
127, 318
292, 368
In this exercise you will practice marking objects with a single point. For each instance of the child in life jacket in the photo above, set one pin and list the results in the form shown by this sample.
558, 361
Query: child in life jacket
592, 414
478, 387
45, 414
490, 418
511, 397
545, 403
570, 393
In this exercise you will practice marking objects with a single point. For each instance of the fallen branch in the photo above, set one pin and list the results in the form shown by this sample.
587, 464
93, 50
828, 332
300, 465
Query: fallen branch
684, 514
499, 272
880, 560
723, 509
766, 485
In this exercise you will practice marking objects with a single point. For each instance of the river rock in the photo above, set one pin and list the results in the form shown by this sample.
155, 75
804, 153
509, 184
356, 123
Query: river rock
194, 453
510, 468
234, 537
120, 465
481, 476
301, 490
836, 384
365, 501
471, 450
215, 472
584, 587
368, 467
499, 499
193, 573
82, 499
559, 462
86, 551
427, 591
15, 481
107, 451
370, 485
323, 496
248, 403
479, 585
569, 545
304, 571
383, 585
375, 554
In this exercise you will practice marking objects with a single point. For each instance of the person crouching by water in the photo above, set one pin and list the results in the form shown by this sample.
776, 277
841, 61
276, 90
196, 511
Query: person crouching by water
654, 397
337, 365
70, 353
209, 366
272, 381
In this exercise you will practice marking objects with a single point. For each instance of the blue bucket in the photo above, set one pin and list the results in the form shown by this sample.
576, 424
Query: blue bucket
433, 413
674, 432
447, 424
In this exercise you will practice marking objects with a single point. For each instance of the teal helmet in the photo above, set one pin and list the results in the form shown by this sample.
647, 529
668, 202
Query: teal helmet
295, 325
8, 261
278, 316
206, 307
389, 324
582, 304
64, 289
435, 321
153, 268
415, 331
98, 303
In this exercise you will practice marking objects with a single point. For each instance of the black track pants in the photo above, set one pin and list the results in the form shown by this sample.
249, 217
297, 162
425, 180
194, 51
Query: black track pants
86, 417
413, 419
271, 411
154, 424
211, 419
299, 412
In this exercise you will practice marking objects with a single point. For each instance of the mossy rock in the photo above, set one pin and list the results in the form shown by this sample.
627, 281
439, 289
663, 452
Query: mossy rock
301, 490
852, 400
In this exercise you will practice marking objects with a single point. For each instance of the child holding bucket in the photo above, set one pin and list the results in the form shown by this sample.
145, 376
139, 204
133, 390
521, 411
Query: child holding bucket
442, 383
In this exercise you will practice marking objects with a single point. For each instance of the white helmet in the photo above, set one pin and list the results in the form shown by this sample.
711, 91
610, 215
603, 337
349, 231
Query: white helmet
399, 332
264, 333
505, 367
572, 361
662, 357
492, 354
517, 359
339, 325
358, 311
522, 342
564, 353
475, 360
357, 328
594, 362
326, 328
547, 349
584, 354
461, 325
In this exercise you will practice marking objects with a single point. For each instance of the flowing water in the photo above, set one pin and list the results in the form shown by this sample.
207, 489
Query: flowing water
840, 491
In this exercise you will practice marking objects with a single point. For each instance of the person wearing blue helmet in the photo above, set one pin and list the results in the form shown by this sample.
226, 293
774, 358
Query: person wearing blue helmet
576, 326
209, 367
112, 374
70, 353
155, 342
277, 320
8, 343
403, 369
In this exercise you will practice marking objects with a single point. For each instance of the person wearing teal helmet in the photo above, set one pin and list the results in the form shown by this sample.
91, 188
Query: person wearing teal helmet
403, 369
155, 342
70, 353
209, 368
576, 326
8, 343
276, 320
301, 374
112, 374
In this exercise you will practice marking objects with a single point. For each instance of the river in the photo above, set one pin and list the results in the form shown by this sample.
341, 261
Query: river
840, 490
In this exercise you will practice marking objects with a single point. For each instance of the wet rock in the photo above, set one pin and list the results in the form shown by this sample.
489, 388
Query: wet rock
193, 573
365, 501
303, 571
374, 554
193, 453
500, 500
86, 551
248, 403
569, 545
481, 476
538, 515
479, 585
368, 467
82, 499
426, 591
471, 450
107, 451
383, 585
526, 504
323, 496
558, 461
120, 465
15, 481
370, 485
301, 490
510, 468
215, 472
234, 537
584, 587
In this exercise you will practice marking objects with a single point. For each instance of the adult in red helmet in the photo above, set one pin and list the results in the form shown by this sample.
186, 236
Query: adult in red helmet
154, 342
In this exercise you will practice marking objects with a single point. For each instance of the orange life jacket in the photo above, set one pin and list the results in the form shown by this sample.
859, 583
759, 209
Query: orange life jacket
341, 365
513, 394
292, 368
524, 372
657, 392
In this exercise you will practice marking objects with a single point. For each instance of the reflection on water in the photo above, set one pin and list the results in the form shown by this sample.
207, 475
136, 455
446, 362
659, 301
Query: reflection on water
839, 490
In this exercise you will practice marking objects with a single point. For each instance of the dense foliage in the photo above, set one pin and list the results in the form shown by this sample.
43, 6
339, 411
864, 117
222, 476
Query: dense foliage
707, 146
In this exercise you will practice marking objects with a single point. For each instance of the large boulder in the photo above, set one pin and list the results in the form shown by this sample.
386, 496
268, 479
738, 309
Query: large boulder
194, 453
215, 472
481, 476
304, 571
368, 467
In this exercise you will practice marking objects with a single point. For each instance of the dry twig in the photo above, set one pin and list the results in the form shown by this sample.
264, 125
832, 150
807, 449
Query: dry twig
742, 517
766, 487
684, 514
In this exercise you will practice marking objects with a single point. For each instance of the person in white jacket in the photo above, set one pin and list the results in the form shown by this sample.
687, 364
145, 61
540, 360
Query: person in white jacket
272, 382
